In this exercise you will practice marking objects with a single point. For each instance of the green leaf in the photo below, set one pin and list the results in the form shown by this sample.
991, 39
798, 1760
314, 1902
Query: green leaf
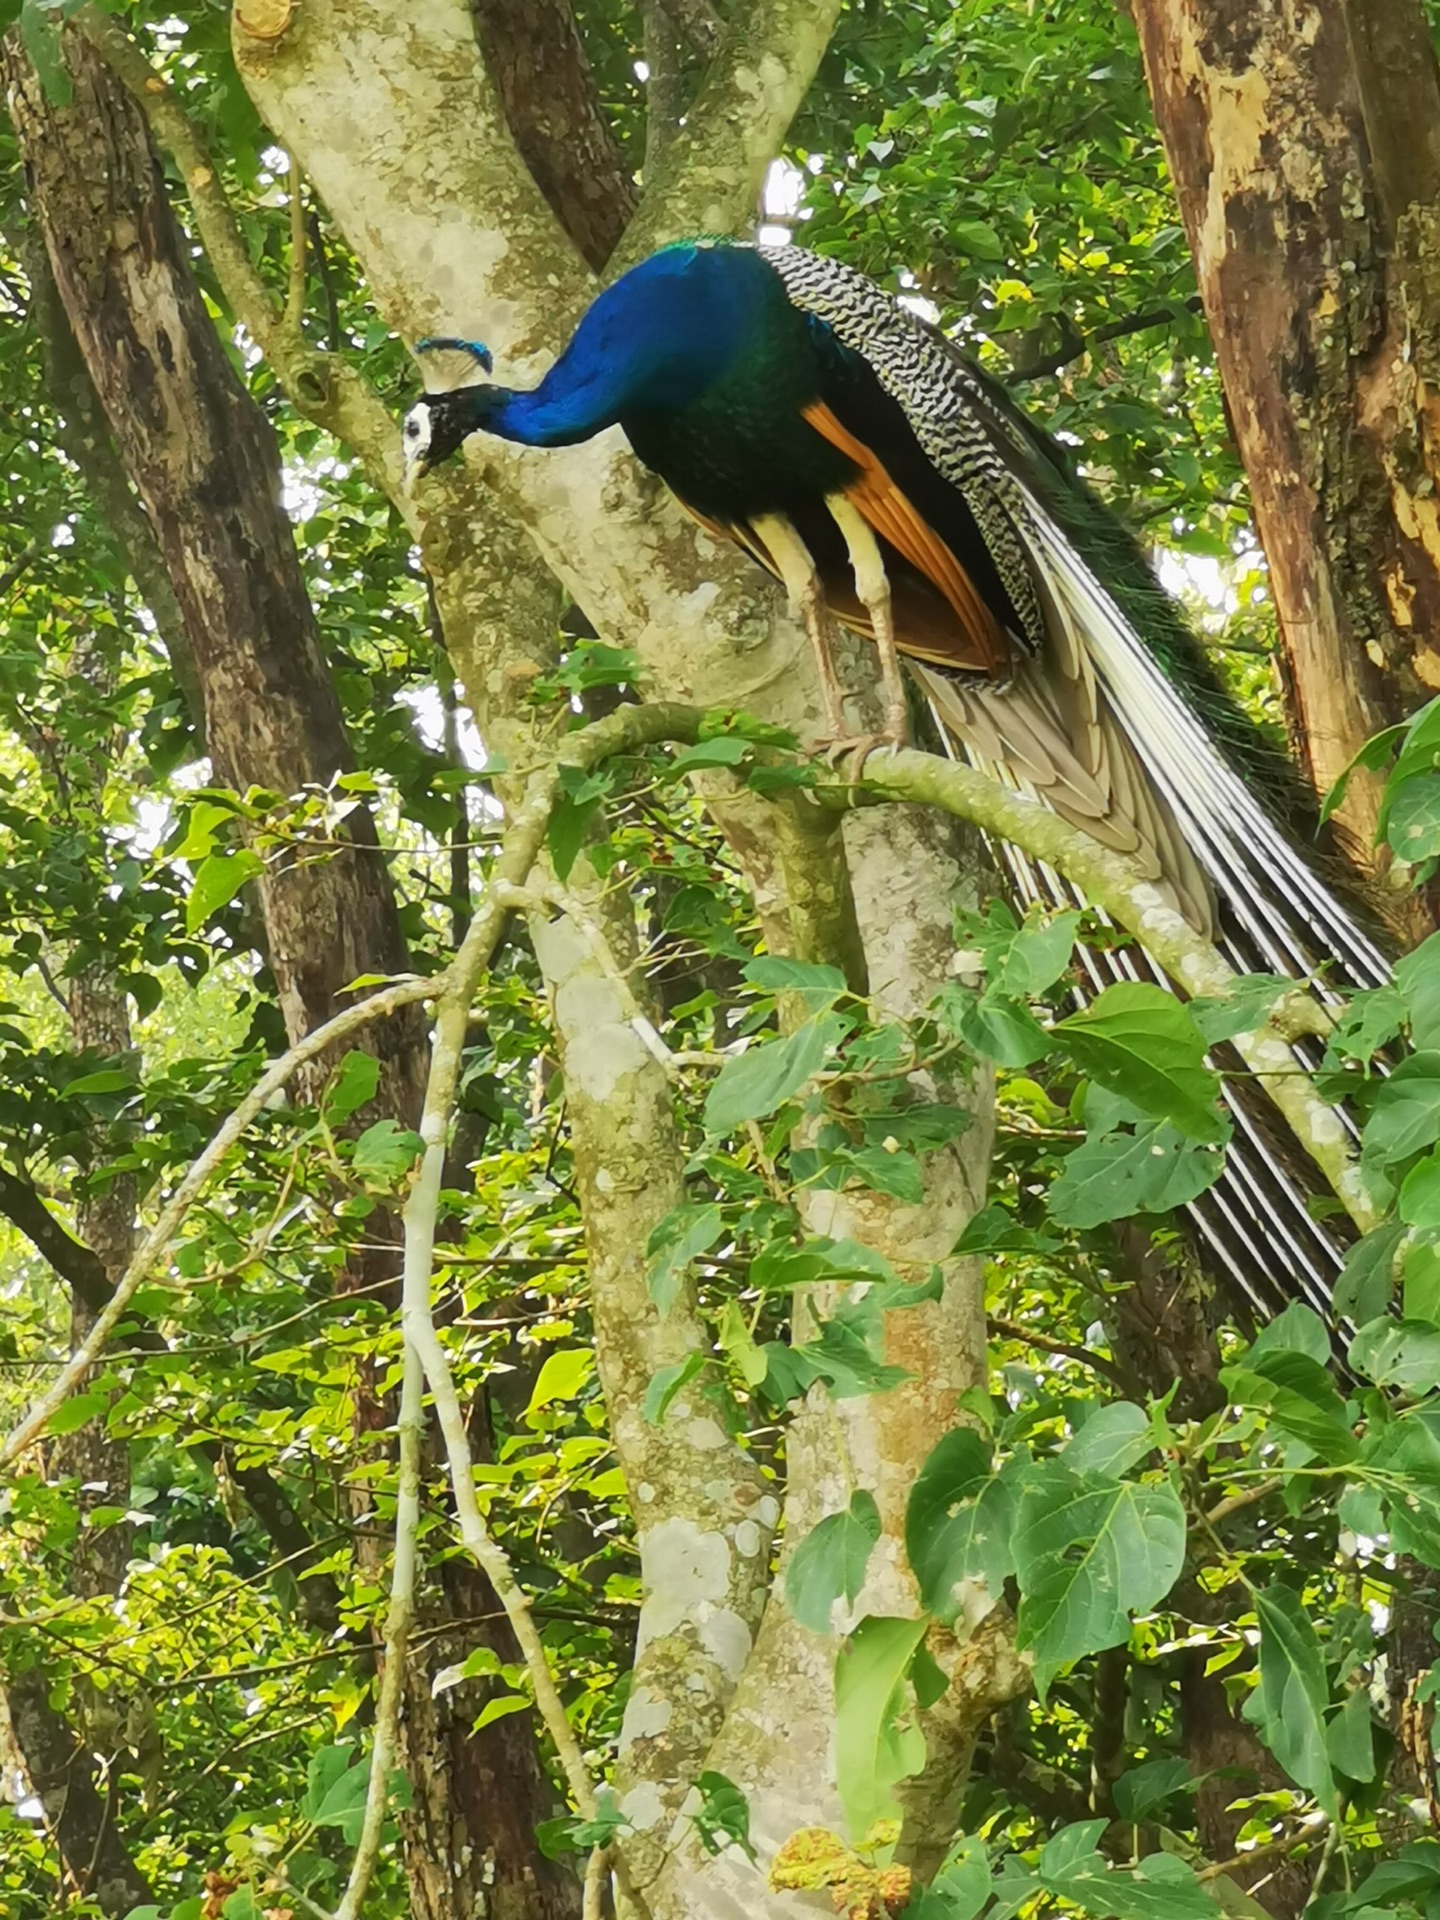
1367, 1022
995, 1028
343, 1803
1419, 1201
1411, 1875
874, 1748
1398, 1353
733, 1337
1088, 1554
1111, 1441
565, 835
40, 35
961, 1889
1288, 1706
1417, 977
897, 1174
844, 1360
1350, 1738
977, 237
1037, 957
107, 1080
1376, 751
352, 1084
1363, 1289
1412, 825
1141, 1791
497, 1709
76, 1412
829, 1563
564, 1376
666, 1382
759, 1082
384, 1154
723, 1817
995, 1230
939, 1519
1114, 1175
721, 751
1299, 1329
1300, 1397
1244, 1008
218, 879
819, 987
1406, 1114
684, 1234
1141, 1043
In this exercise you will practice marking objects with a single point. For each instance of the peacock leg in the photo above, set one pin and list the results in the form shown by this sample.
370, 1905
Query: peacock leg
872, 586
807, 596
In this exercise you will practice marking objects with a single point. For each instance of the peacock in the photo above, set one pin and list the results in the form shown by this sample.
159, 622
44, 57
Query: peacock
890, 484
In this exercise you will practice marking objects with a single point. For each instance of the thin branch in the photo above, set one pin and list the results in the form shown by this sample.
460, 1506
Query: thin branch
398, 1621
1078, 344
155, 1244
295, 298
321, 386
1111, 1369
596, 1874
1305, 1836
78, 1266
1236, 1502
1110, 882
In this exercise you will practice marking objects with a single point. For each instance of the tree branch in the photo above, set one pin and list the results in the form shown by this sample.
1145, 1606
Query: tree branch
709, 177
538, 64
1077, 344
77, 1265
1108, 881
624, 731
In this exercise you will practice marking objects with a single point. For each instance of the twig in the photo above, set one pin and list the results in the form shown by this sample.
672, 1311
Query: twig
621, 732
1111, 1369
295, 298
596, 1873
389, 1000
397, 1636
1235, 1502
1077, 343
1286, 1844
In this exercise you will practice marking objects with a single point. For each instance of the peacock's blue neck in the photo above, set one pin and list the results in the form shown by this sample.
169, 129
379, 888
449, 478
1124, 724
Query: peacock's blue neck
658, 341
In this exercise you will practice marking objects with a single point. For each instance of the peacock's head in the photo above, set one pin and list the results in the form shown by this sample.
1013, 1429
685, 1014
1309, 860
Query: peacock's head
445, 415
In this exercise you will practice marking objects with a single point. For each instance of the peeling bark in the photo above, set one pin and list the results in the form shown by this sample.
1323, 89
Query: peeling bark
1317, 287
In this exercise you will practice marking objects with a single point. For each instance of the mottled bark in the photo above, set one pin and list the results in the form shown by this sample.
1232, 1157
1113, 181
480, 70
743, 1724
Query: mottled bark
65, 1778
537, 61
206, 465
1314, 249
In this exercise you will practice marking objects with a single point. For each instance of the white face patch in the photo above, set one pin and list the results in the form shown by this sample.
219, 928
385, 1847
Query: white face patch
415, 435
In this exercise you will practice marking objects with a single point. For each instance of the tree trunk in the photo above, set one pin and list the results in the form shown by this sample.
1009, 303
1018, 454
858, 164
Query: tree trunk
207, 467
1315, 264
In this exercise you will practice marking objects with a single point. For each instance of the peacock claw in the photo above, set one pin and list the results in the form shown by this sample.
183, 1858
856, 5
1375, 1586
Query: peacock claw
848, 753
